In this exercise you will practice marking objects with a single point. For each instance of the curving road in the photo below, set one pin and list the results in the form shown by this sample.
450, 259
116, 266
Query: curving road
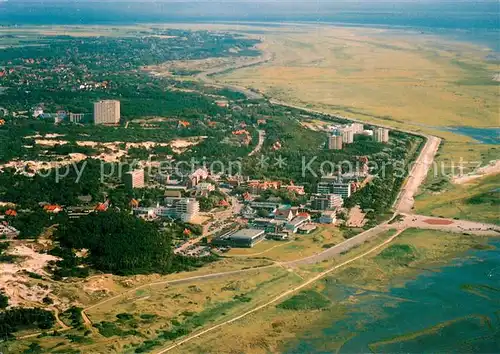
279, 297
262, 137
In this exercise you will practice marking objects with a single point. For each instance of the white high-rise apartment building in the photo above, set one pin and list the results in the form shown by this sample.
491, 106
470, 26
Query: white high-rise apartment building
357, 128
107, 112
134, 179
381, 135
335, 142
347, 135
187, 209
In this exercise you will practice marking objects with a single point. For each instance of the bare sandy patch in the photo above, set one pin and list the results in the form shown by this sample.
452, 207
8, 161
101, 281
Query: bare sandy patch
16, 283
491, 169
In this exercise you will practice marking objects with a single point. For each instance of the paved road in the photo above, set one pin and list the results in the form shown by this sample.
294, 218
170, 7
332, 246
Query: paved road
277, 298
342, 247
180, 281
262, 137
447, 225
206, 77
406, 198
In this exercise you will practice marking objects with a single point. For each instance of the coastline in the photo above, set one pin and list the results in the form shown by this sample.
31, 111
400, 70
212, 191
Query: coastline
367, 309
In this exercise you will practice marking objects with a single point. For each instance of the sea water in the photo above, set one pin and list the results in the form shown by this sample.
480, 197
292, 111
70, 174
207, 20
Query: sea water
453, 309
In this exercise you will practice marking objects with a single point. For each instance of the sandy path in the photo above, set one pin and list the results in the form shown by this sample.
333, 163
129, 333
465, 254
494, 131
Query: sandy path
492, 168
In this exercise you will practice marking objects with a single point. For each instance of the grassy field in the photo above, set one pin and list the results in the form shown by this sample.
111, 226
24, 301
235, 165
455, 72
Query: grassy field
407, 80
301, 246
151, 316
478, 201
379, 75
272, 328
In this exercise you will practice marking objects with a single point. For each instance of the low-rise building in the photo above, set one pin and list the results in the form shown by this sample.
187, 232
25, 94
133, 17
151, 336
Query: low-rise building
297, 222
172, 193
248, 212
205, 187
357, 128
244, 238
185, 209
278, 236
52, 208
347, 135
306, 229
107, 112
197, 177
326, 201
328, 217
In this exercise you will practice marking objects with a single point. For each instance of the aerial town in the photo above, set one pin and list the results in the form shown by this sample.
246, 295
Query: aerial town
220, 189
243, 216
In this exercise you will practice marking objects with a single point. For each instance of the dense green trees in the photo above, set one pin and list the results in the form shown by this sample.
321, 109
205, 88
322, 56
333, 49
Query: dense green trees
119, 243
16, 319
4, 301
82, 179
211, 201
32, 223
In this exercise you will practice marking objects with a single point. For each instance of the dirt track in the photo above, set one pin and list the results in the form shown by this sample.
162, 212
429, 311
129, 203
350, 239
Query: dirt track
406, 198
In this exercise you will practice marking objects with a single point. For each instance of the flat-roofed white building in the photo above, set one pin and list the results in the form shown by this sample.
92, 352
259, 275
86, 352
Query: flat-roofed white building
76, 117
241, 238
187, 209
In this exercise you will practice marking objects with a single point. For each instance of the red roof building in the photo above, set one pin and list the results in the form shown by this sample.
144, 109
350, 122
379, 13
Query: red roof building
101, 207
52, 208
247, 197
11, 212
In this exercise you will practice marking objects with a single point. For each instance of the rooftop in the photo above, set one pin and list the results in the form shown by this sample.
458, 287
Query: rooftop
247, 234
308, 227
298, 220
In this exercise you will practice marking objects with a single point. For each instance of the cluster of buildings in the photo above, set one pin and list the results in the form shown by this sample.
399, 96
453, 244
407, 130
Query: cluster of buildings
272, 220
60, 116
185, 209
257, 187
7, 231
281, 223
105, 112
343, 135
